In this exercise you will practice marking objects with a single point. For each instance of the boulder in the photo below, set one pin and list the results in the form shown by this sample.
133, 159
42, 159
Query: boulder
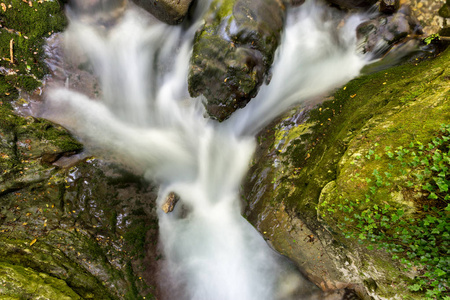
169, 11
233, 52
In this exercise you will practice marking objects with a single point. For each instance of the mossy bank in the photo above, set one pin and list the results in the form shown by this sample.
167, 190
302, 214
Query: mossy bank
312, 163
71, 227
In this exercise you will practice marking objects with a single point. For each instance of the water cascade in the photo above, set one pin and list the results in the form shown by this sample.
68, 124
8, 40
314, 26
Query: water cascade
146, 117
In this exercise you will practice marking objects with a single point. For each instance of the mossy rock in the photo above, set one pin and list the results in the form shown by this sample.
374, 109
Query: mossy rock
83, 227
313, 161
25, 283
233, 52
25, 25
66, 232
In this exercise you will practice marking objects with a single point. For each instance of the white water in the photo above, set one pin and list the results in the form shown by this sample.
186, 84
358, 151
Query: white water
147, 118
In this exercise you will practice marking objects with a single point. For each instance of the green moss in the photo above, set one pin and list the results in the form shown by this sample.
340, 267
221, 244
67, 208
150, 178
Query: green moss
221, 10
133, 292
25, 283
338, 153
27, 26
49, 262
28, 83
50, 134
404, 96
136, 236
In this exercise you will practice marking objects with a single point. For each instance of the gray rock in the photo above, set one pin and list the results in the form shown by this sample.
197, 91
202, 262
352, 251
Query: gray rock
168, 11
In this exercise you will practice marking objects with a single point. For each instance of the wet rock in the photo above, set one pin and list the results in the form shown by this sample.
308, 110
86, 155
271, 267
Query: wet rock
170, 202
233, 52
380, 34
169, 11
78, 229
353, 4
389, 6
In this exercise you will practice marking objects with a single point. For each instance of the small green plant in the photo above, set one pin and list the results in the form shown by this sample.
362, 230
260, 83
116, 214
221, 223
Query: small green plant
418, 240
430, 38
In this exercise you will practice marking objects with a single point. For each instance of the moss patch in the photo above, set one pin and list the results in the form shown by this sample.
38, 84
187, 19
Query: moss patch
18, 282
24, 28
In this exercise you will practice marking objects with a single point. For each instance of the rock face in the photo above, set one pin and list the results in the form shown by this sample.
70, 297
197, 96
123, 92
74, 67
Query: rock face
311, 162
168, 11
378, 35
70, 227
233, 52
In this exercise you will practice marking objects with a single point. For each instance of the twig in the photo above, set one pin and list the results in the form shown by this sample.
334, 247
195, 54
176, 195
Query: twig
11, 42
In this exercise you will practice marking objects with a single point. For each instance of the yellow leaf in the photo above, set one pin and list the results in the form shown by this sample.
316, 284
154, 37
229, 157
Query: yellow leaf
32, 242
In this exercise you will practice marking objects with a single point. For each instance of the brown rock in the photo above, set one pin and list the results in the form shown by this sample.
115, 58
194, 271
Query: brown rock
389, 6
169, 11
170, 202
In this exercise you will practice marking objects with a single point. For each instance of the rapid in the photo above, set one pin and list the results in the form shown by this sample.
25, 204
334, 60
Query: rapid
146, 117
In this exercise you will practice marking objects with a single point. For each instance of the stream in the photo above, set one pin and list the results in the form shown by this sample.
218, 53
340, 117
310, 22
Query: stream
146, 117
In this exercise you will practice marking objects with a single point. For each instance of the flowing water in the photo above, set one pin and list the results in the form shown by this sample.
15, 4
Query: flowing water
146, 117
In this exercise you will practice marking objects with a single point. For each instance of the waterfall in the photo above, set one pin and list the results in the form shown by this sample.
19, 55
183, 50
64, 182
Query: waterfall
146, 117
